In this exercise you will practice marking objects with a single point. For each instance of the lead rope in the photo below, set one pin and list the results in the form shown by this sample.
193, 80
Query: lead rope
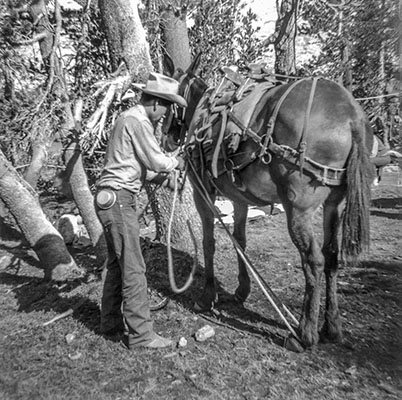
172, 279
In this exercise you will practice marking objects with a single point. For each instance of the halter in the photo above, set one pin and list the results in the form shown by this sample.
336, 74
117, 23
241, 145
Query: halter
184, 91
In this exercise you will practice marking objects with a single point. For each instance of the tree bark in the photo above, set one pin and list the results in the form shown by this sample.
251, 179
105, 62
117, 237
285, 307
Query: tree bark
77, 178
126, 37
45, 240
285, 37
38, 160
57, 86
400, 64
184, 213
174, 32
43, 136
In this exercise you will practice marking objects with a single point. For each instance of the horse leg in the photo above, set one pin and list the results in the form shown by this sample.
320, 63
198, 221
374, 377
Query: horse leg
239, 233
208, 297
301, 231
331, 329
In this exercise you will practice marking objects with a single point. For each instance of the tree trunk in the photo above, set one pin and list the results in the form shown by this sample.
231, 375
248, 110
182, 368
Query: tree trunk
43, 136
178, 48
38, 160
285, 37
174, 31
75, 171
126, 37
382, 89
400, 66
77, 178
347, 71
45, 240
184, 214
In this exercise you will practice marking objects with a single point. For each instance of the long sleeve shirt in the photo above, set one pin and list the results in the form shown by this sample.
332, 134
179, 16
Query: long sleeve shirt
133, 153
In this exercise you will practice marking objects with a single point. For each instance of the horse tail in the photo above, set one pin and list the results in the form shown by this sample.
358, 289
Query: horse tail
356, 215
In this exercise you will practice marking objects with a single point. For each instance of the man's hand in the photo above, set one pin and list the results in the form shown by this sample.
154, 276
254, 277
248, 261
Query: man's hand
174, 178
182, 163
160, 179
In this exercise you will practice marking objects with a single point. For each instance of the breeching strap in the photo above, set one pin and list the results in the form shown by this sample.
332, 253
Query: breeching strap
272, 120
303, 140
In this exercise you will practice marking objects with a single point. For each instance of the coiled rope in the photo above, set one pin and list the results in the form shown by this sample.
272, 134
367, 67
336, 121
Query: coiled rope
172, 279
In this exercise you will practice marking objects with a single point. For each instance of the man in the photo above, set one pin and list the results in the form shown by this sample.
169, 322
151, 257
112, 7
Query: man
132, 155
381, 156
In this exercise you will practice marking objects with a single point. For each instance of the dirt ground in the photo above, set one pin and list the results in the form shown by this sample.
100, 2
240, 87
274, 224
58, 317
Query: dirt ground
245, 359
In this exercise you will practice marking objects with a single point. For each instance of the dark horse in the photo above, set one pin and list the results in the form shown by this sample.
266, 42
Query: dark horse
308, 144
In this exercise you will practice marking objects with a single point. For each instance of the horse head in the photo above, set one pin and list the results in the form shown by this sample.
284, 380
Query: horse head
177, 120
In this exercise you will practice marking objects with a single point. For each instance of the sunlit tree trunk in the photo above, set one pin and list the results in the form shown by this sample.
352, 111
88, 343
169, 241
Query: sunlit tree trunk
400, 64
42, 137
126, 37
56, 86
46, 241
284, 37
174, 33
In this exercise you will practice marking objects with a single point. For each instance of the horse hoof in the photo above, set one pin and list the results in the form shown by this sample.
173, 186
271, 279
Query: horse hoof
238, 299
198, 307
333, 335
292, 344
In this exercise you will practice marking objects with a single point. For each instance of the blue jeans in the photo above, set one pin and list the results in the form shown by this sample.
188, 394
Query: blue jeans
125, 304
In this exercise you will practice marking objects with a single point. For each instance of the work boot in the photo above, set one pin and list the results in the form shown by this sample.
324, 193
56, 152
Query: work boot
159, 342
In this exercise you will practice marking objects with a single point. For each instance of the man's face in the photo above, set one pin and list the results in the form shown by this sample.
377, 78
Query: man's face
160, 109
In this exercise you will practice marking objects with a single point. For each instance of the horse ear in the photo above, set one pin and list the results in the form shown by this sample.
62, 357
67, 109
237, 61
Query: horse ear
168, 65
195, 64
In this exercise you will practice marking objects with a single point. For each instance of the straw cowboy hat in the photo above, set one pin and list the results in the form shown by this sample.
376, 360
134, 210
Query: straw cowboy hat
166, 88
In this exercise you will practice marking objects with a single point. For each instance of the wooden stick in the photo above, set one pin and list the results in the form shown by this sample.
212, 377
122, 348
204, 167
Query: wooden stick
65, 313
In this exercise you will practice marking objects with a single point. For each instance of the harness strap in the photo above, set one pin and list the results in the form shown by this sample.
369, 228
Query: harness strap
186, 93
247, 130
303, 139
272, 119
215, 156
322, 173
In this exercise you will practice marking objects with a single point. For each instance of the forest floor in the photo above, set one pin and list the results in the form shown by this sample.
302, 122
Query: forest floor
245, 359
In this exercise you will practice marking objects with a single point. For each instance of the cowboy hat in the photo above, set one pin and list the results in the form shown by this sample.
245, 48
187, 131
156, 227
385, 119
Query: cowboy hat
161, 86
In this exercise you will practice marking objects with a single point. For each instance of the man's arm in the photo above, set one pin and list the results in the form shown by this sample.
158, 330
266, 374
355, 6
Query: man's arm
147, 148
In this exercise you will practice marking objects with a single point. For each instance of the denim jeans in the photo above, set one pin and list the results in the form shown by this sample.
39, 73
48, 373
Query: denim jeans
125, 304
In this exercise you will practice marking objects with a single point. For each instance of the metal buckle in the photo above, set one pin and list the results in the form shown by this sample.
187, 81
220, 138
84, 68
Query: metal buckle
105, 199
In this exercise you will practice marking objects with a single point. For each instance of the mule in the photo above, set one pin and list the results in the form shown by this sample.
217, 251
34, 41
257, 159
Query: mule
301, 145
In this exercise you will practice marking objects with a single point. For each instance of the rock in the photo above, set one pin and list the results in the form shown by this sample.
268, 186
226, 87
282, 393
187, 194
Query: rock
69, 338
204, 333
81, 238
254, 213
182, 342
68, 227
225, 207
75, 356
351, 371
